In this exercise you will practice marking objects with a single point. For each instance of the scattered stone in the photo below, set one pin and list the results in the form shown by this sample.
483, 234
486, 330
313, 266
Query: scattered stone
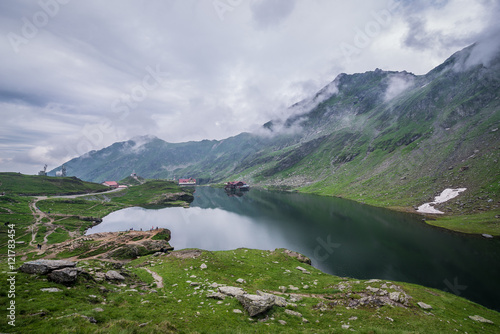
43, 267
194, 284
293, 288
424, 306
203, 266
303, 270
282, 288
480, 319
296, 314
255, 304
353, 318
216, 295
237, 311
241, 281
283, 322
374, 290
65, 276
345, 326
90, 319
295, 298
114, 275
51, 290
390, 319
488, 236
304, 320
98, 309
231, 291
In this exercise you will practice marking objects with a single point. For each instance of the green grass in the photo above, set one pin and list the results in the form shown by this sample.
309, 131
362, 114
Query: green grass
480, 223
16, 183
179, 307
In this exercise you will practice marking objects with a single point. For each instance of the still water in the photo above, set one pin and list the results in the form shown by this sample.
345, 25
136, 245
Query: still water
341, 237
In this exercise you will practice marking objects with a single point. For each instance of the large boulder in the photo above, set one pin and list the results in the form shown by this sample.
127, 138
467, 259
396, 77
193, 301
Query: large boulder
43, 267
255, 304
66, 276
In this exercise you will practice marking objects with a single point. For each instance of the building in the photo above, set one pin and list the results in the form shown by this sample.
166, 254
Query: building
236, 185
187, 182
111, 184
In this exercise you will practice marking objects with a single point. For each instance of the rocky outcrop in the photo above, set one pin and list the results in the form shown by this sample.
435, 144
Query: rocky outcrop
43, 267
298, 256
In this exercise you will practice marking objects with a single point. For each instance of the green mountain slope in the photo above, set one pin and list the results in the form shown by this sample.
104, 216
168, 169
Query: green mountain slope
385, 138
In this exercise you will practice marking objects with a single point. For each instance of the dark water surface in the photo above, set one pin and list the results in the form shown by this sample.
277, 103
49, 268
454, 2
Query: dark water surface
341, 237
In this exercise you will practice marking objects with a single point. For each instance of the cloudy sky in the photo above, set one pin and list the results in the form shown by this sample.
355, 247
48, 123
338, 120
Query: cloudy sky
79, 75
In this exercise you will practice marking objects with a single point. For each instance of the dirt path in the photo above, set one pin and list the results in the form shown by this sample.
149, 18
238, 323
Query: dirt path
158, 279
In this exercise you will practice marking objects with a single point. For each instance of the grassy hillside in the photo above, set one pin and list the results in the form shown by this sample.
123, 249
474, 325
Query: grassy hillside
33, 185
323, 303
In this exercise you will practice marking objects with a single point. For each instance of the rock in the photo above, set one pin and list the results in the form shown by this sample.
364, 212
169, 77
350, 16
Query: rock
114, 275
295, 299
394, 296
66, 276
255, 304
216, 295
298, 256
424, 306
278, 301
241, 281
282, 288
203, 266
43, 267
304, 320
480, 319
374, 290
51, 290
231, 291
237, 311
283, 322
488, 236
98, 309
290, 312
353, 318
372, 281
345, 326
194, 284
303, 270
293, 288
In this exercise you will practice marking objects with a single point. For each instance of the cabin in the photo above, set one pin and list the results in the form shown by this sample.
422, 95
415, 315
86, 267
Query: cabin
111, 184
187, 182
237, 185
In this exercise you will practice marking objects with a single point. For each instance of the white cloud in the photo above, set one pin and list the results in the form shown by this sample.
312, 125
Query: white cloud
222, 76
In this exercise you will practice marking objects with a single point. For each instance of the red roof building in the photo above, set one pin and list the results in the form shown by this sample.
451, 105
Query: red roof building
189, 181
111, 184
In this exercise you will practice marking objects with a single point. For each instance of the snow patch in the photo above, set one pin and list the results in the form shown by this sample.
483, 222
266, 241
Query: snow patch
445, 196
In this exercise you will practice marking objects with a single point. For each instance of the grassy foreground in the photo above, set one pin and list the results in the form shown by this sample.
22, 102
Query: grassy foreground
139, 305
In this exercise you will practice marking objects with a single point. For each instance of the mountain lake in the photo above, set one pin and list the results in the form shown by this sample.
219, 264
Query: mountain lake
341, 237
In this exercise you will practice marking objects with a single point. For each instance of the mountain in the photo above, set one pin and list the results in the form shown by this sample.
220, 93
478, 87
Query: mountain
381, 137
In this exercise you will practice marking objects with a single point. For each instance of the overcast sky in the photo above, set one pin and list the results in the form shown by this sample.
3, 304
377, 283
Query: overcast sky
78, 75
